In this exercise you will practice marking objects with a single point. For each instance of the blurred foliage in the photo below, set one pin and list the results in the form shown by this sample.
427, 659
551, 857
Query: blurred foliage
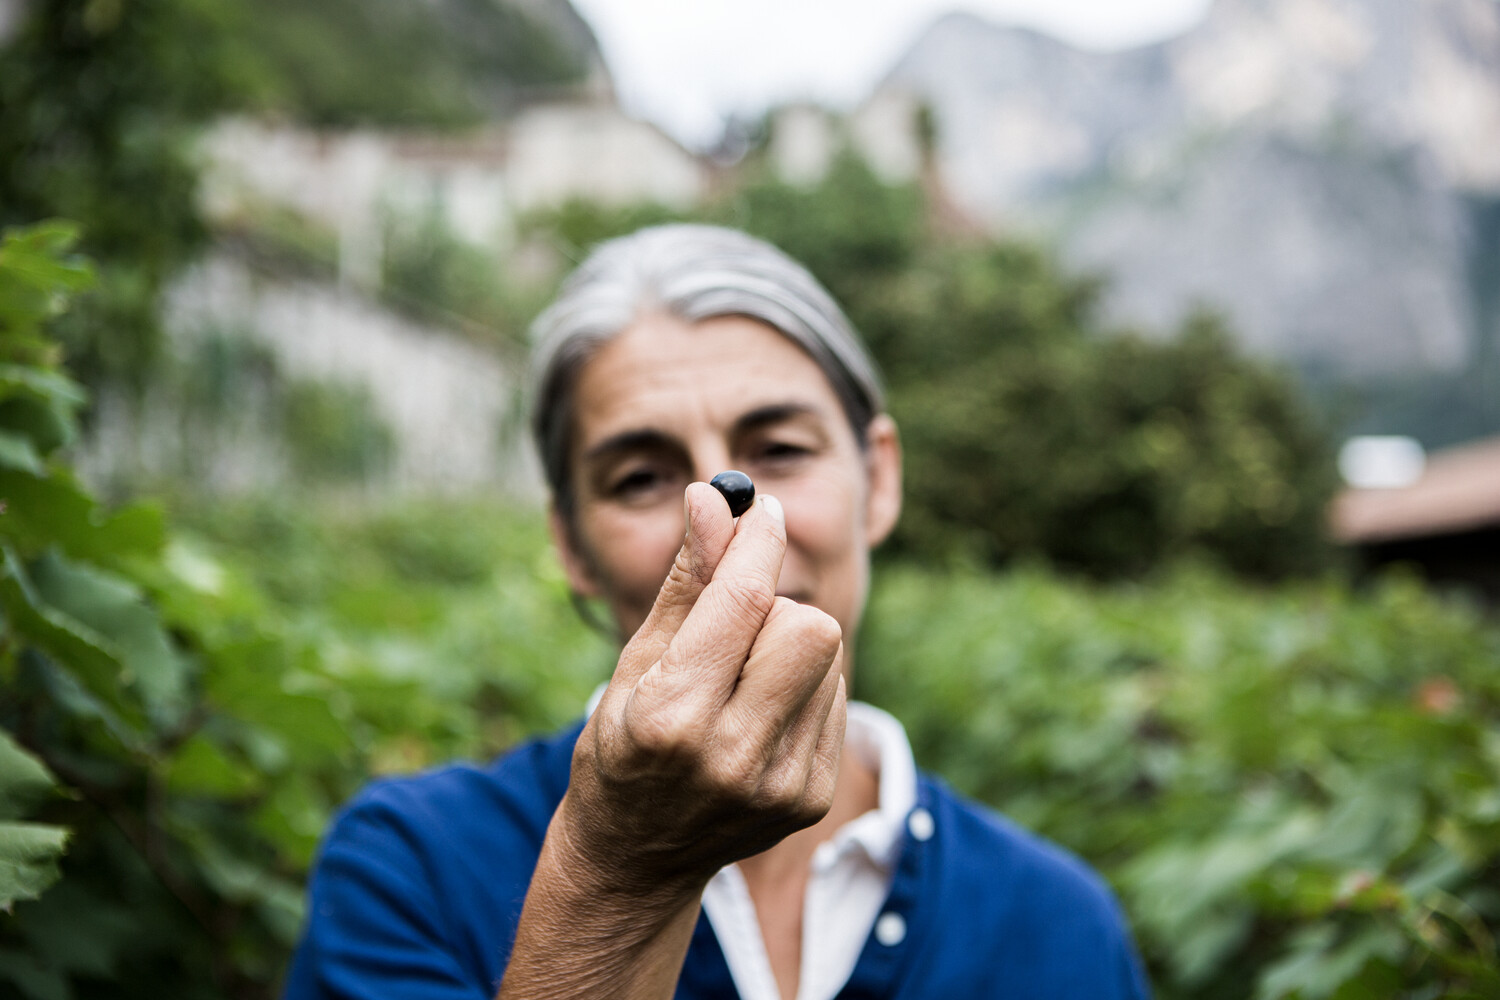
224, 373
100, 98
850, 229
334, 433
1297, 793
574, 227
1031, 429
97, 97
428, 271
1110, 455
401, 63
462, 599
187, 733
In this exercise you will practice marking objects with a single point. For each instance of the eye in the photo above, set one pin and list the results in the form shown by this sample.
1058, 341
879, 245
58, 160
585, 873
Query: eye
779, 453
635, 482
782, 449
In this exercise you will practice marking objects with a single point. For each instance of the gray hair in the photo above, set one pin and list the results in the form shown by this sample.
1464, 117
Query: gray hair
695, 273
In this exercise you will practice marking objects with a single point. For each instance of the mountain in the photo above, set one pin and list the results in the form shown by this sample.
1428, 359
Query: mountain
1324, 171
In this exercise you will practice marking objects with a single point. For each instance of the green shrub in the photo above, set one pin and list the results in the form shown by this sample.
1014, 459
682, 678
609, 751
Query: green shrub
1109, 455
333, 432
1032, 429
430, 272
1296, 792
578, 224
187, 734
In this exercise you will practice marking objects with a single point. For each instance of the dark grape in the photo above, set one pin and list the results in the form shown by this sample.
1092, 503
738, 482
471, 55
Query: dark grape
736, 488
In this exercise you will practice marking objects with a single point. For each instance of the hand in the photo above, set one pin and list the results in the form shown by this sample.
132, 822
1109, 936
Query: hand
720, 732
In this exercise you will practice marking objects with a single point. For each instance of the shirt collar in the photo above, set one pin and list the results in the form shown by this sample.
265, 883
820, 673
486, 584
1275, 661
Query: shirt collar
880, 743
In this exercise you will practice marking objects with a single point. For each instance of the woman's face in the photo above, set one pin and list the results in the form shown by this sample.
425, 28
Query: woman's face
669, 402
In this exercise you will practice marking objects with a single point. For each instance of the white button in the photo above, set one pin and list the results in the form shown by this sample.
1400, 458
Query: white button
920, 823
890, 929
824, 857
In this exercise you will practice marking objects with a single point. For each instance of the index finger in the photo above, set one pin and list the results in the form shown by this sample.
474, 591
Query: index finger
708, 533
715, 638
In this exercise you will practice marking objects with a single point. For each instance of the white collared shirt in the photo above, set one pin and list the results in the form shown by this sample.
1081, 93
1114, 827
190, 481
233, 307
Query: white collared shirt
850, 878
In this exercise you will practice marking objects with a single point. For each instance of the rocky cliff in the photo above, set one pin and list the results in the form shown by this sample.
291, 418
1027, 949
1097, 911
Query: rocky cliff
1313, 167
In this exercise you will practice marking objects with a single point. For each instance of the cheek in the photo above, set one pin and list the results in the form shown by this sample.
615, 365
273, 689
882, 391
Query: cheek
633, 552
826, 524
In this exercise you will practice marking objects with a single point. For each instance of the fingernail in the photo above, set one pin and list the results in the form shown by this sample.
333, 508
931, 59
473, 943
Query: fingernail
772, 506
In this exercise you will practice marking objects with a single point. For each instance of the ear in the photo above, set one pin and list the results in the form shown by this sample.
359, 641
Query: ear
576, 565
883, 466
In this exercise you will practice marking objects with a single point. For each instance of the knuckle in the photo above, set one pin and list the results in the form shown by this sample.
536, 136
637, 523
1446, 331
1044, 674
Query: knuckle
783, 791
748, 602
816, 630
817, 796
663, 734
739, 777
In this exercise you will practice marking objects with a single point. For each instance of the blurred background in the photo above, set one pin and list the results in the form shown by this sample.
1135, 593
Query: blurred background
1189, 313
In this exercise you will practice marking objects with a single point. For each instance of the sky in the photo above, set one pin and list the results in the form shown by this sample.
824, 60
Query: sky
687, 64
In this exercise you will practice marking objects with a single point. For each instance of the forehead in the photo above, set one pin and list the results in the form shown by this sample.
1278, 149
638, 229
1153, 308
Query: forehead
669, 374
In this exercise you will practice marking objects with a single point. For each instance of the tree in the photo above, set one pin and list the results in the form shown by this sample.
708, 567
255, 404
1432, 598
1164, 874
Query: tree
102, 100
1033, 430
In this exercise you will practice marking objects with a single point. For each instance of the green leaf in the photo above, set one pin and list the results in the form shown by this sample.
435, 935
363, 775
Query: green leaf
1320, 963
18, 452
248, 682
115, 609
24, 780
85, 654
45, 511
28, 860
33, 979
53, 510
200, 767
40, 404
33, 271
138, 530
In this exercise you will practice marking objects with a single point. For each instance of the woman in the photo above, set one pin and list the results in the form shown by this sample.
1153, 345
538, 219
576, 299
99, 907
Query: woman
725, 821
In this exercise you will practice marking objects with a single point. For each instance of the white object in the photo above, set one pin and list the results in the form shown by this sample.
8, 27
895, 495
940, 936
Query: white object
890, 929
1381, 462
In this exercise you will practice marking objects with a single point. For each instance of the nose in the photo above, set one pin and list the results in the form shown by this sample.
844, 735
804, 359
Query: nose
710, 459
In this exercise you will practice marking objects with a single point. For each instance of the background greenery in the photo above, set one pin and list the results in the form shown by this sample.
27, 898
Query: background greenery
1109, 610
102, 97
1296, 790
186, 723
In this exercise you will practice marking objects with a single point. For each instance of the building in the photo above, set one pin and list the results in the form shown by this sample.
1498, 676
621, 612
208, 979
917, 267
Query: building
1446, 523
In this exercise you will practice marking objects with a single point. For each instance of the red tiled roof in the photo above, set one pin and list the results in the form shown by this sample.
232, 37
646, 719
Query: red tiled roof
1459, 491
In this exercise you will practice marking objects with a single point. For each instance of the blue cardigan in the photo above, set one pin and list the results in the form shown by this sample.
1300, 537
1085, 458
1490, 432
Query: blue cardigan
419, 887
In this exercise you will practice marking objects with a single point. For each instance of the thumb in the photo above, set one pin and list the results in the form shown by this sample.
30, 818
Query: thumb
708, 532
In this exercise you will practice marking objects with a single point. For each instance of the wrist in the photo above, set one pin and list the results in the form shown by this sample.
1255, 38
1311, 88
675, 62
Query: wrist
606, 868
587, 932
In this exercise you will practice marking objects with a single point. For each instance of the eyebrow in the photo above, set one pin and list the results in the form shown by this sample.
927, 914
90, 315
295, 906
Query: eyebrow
776, 413
647, 439
629, 441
